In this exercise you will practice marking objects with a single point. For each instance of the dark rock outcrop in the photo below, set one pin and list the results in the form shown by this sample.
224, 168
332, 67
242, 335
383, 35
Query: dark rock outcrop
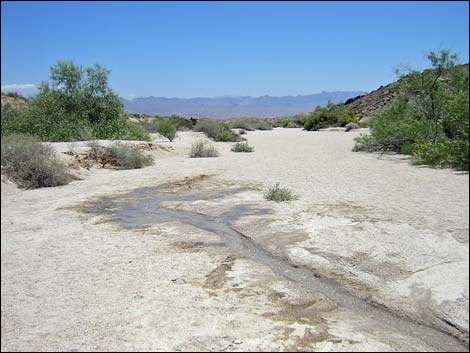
365, 105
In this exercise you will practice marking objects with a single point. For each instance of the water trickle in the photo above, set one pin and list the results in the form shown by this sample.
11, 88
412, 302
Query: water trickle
143, 207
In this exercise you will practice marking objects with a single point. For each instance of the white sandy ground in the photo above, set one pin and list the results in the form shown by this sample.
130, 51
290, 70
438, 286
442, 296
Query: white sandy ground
395, 232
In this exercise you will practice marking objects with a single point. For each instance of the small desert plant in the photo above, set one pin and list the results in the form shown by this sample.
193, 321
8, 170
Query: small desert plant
278, 194
241, 124
226, 135
99, 154
242, 132
31, 164
242, 147
209, 127
201, 149
118, 155
263, 125
129, 157
166, 128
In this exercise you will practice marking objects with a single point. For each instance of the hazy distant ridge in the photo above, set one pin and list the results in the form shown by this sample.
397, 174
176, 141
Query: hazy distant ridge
227, 107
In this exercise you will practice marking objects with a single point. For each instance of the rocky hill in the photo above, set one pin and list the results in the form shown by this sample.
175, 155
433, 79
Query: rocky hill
365, 105
14, 99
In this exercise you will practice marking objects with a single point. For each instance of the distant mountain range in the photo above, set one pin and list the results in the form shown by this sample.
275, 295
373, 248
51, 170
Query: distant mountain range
231, 107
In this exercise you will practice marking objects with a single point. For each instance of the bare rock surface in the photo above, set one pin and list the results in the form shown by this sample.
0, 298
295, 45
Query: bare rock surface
384, 232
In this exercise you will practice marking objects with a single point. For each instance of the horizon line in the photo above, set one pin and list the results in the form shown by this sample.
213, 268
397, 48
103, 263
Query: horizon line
235, 96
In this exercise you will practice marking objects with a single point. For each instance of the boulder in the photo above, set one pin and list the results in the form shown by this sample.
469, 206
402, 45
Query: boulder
351, 126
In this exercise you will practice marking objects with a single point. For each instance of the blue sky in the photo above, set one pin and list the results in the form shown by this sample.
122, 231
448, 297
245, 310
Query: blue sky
205, 49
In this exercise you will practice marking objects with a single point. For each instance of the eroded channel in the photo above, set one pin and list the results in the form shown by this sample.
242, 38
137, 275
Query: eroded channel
144, 207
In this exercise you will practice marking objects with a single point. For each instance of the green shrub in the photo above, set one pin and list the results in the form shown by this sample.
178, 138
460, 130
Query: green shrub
316, 121
263, 125
407, 148
209, 127
363, 143
362, 124
85, 133
181, 123
333, 115
242, 147
75, 98
118, 155
135, 131
299, 119
278, 194
429, 118
129, 157
226, 135
396, 125
443, 152
166, 128
216, 130
280, 122
293, 124
31, 164
12, 120
202, 149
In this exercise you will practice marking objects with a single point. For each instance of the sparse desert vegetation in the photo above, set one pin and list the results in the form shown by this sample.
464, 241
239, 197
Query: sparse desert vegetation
250, 124
333, 115
296, 121
121, 231
278, 224
202, 149
242, 147
119, 155
31, 164
129, 157
280, 194
216, 130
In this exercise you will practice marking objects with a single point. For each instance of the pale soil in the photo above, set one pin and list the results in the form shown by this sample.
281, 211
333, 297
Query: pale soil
394, 234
